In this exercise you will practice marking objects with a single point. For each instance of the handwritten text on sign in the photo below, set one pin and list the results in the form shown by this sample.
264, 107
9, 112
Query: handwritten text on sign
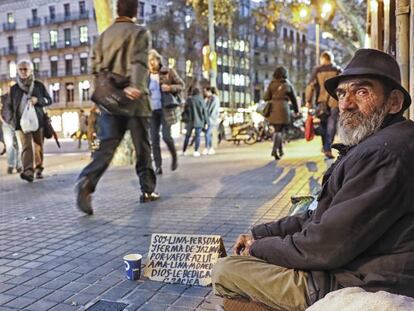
183, 259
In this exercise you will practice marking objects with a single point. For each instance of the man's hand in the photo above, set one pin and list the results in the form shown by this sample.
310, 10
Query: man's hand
165, 88
33, 101
132, 92
242, 245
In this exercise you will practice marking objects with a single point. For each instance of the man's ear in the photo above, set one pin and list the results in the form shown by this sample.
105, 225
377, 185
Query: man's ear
395, 101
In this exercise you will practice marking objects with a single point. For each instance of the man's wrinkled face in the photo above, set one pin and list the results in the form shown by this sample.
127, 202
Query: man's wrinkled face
24, 71
362, 106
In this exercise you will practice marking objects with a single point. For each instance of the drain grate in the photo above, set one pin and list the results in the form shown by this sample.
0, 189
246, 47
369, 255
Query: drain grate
106, 305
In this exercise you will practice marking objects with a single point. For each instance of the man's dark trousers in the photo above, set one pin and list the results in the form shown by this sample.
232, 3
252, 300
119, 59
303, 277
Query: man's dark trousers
156, 122
112, 130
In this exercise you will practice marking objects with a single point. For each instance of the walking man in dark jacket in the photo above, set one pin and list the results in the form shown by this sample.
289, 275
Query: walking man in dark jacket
28, 91
362, 231
112, 53
326, 108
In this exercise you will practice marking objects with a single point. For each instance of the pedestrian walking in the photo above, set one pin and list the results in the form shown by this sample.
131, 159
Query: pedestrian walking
28, 91
326, 107
213, 111
83, 127
123, 50
92, 131
165, 86
196, 110
11, 146
279, 92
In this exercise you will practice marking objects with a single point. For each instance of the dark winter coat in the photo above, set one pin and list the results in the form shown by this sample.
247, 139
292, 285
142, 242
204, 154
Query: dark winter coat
362, 232
123, 49
11, 107
196, 111
280, 92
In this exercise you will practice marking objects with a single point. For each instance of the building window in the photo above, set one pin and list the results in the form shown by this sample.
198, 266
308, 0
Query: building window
82, 7
10, 18
285, 33
52, 12
67, 37
141, 9
53, 67
36, 66
55, 87
68, 67
10, 42
34, 14
172, 39
83, 34
53, 36
12, 69
36, 40
153, 9
70, 92
84, 65
84, 87
66, 10
189, 68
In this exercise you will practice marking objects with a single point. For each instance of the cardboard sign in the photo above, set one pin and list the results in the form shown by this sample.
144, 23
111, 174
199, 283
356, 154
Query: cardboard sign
183, 259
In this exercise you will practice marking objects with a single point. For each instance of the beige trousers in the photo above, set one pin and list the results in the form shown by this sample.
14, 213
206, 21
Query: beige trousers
32, 149
249, 277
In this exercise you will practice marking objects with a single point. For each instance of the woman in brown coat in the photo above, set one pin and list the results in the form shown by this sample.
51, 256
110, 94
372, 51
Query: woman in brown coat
279, 92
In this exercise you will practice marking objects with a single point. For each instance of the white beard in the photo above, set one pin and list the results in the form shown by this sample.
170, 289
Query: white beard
354, 126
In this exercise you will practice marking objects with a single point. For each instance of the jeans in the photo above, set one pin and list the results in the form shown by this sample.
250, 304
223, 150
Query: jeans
111, 131
13, 146
157, 121
328, 129
188, 136
209, 137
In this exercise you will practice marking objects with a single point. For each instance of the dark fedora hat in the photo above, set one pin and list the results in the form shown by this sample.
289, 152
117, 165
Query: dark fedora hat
371, 63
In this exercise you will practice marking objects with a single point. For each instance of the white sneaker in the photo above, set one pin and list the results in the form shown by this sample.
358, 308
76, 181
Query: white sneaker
211, 151
205, 152
196, 154
183, 153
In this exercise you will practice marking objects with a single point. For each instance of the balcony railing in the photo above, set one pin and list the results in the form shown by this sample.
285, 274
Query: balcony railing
9, 51
62, 18
4, 77
9, 26
65, 45
34, 22
61, 73
32, 49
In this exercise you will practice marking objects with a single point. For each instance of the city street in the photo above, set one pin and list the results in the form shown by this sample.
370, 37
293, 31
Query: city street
52, 257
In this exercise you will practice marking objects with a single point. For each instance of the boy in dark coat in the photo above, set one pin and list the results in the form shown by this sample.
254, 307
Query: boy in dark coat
362, 231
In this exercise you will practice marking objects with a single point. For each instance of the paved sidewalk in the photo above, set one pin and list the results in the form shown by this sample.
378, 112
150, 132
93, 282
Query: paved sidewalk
54, 258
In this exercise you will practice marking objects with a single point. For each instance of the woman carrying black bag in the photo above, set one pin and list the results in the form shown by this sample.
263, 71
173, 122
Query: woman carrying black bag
165, 86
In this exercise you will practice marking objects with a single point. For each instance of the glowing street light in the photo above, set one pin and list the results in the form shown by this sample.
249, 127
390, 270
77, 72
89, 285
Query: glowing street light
326, 10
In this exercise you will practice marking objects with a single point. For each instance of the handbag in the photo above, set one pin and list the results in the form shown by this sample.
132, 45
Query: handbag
309, 129
267, 110
109, 93
170, 100
47, 126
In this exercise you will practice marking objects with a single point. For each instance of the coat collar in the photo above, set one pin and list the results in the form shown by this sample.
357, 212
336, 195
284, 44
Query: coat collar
124, 19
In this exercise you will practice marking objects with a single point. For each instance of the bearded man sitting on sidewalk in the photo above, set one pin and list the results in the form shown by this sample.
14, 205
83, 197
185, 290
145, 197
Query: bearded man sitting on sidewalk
362, 231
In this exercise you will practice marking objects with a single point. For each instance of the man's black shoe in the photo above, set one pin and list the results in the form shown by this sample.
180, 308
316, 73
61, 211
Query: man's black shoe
174, 163
39, 175
10, 170
83, 196
26, 177
148, 197
158, 171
